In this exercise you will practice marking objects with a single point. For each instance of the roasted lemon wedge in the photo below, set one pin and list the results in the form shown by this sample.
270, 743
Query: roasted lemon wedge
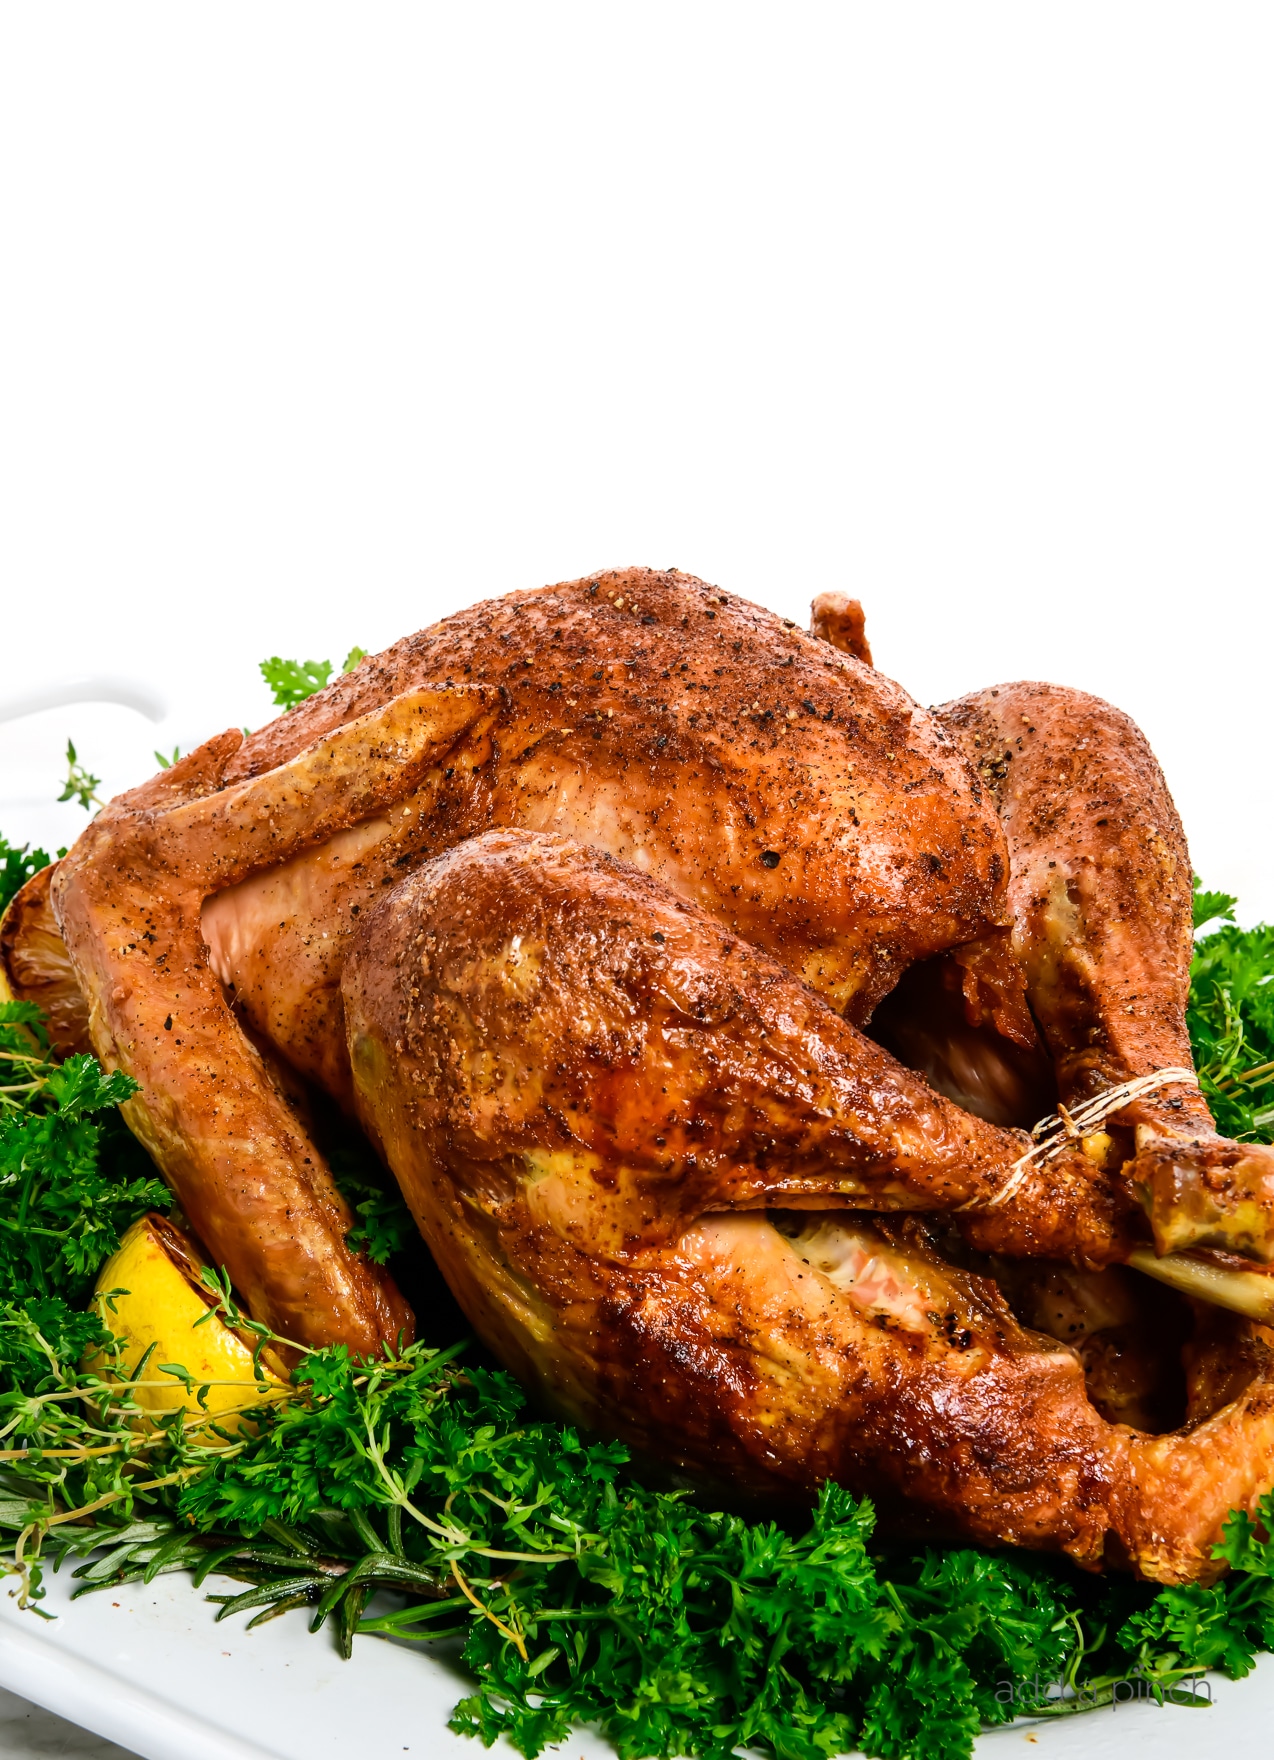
150, 1296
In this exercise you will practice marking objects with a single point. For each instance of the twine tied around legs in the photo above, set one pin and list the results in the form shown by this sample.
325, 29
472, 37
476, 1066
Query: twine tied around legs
1066, 1125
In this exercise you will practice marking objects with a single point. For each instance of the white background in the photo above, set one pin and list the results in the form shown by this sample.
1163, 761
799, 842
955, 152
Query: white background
318, 322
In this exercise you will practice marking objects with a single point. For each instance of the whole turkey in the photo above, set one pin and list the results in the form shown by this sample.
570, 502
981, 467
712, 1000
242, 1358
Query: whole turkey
699, 988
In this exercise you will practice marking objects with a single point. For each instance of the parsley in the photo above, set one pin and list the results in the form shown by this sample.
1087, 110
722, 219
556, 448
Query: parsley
62, 1206
18, 862
1231, 1018
587, 1595
584, 1594
384, 1227
1211, 908
292, 681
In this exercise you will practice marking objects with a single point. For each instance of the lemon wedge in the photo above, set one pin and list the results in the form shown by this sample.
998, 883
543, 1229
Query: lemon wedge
149, 1295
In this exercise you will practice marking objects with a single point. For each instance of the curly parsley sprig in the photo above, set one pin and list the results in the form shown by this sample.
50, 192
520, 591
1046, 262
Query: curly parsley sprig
19, 862
62, 1208
292, 681
1231, 1018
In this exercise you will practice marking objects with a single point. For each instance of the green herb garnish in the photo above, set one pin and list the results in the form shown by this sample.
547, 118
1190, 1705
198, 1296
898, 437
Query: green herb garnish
62, 1209
18, 863
292, 681
1231, 1018
80, 785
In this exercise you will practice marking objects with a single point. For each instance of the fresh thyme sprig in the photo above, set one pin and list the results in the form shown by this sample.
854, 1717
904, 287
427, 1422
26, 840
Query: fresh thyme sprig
80, 785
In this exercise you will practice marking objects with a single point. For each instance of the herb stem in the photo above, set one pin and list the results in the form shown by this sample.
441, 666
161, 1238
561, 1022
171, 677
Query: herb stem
514, 1638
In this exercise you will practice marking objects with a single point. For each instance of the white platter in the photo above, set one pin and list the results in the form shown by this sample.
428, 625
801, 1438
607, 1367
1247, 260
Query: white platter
147, 1667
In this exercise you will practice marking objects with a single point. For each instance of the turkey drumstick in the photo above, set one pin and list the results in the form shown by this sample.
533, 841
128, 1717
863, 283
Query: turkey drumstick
1100, 893
586, 1088
242, 1165
680, 1069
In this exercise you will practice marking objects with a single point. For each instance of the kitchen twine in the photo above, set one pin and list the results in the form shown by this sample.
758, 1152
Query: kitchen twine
1052, 1134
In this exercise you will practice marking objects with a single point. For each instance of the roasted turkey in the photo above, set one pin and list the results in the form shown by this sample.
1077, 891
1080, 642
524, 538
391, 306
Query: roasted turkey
700, 988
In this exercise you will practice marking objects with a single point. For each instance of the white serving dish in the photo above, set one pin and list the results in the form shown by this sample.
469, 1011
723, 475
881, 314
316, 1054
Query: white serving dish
147, 1667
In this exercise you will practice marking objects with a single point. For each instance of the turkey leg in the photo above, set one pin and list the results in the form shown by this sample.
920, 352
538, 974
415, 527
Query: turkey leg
633, 1141
128, 898
1100, 897
588, 1044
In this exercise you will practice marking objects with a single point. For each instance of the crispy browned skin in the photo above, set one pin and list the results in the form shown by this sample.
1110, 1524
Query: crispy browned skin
1100, 894
838, 619
802, 798
35, 966
683, 1069
129, 898
586, 1087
